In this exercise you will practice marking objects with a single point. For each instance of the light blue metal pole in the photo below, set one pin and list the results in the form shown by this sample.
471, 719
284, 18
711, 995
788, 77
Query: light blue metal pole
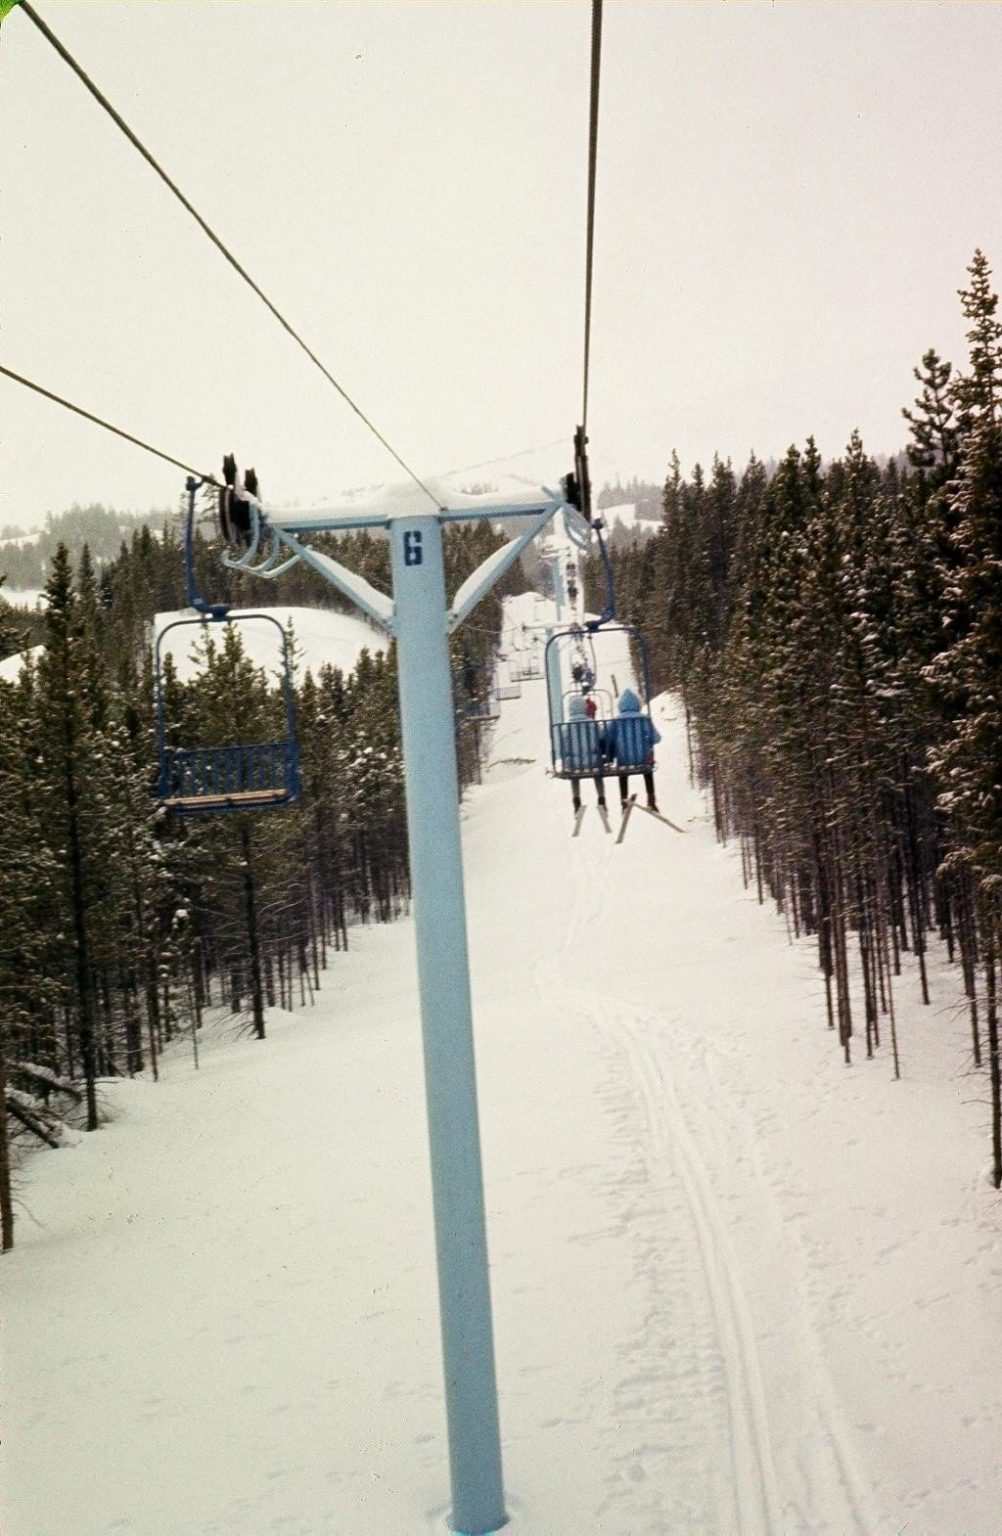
556, 566
554, 679
432, 785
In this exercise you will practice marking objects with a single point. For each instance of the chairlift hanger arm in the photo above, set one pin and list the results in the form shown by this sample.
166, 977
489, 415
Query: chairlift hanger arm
209, 610
608, 614
577, 530
268, 569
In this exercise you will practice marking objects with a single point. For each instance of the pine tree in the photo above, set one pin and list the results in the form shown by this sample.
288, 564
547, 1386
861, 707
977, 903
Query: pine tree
968, 673
933, 449
977, 394
63, 710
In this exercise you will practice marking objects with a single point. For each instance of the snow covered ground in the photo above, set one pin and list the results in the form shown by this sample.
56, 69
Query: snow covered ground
25, 597
739, 1288
623, 515
11, 667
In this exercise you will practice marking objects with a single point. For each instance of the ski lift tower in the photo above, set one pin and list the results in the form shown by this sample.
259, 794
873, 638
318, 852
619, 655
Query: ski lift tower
420, 619
552, 555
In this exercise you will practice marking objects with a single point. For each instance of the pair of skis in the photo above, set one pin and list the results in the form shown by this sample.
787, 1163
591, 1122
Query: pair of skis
624, 821
648, 810
579, 818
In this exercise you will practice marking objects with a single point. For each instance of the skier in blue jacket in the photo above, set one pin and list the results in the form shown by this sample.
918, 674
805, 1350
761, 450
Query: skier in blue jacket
629, 741
581, 747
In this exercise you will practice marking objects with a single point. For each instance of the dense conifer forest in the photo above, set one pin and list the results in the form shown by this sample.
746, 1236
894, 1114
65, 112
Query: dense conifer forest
835, 632
25, 557
121, 924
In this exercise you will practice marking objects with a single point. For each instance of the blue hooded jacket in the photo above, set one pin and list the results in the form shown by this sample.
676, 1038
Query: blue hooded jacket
630, 739
578, 740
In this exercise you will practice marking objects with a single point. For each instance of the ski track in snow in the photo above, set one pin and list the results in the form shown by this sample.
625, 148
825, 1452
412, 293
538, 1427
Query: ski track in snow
717, 1345
836, 1502
754, 1479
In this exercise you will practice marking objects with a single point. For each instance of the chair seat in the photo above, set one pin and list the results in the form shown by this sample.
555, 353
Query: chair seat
216, 802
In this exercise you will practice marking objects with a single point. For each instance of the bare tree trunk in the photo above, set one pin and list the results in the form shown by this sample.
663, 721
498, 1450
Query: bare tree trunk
916, 895
992, 1014
253, 941
85, 992
843, 1000
967, 940
6, 1199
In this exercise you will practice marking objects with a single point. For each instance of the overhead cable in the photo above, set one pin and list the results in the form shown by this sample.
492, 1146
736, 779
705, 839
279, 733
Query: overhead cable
120, 122
504, 459
107, 425
596, 67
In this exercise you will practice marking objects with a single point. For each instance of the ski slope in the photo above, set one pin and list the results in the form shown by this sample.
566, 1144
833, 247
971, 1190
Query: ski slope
739, 1289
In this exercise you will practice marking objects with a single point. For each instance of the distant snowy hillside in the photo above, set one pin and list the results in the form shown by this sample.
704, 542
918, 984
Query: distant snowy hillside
30, 597
322, 637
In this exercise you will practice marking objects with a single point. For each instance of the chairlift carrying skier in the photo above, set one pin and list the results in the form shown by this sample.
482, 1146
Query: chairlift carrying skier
582, 749
630, 740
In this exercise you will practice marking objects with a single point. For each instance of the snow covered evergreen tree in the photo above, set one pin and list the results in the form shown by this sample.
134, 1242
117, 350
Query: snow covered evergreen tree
968, 672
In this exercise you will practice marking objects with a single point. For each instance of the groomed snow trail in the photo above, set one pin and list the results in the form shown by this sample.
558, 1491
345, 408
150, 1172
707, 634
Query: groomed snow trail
695, 1352
692, 1394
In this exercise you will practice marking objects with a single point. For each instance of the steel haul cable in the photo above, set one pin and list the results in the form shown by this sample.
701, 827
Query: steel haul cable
596, 67
120, 123
107, 425
578, 485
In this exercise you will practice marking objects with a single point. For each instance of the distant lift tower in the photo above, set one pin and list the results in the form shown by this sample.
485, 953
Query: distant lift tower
553, 556
420, 620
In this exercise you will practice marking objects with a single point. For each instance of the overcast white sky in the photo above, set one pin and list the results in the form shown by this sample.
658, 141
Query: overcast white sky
789, 195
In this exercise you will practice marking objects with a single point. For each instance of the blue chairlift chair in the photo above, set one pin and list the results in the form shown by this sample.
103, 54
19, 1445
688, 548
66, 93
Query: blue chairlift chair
573, 741
204, 780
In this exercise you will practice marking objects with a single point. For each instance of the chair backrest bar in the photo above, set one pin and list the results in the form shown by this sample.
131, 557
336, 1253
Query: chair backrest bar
189, 775
601, 747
